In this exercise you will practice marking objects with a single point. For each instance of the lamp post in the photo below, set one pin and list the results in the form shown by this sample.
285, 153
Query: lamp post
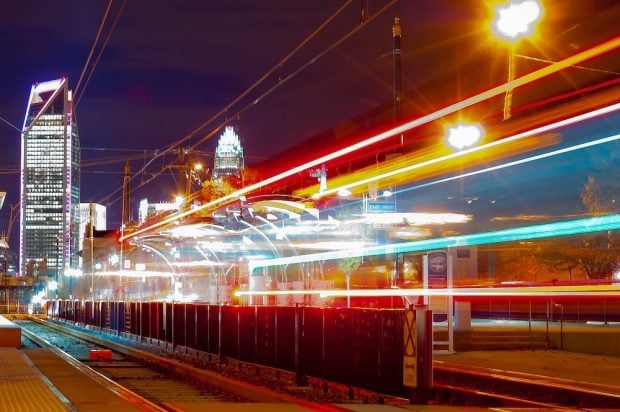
513, 22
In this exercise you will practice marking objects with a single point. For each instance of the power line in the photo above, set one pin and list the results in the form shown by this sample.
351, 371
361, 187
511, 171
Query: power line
105, 43
252, 87
10, 124
277, 66
313, 60
93, 47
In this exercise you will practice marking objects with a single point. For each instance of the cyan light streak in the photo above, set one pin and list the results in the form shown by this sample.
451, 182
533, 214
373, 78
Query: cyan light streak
547, 230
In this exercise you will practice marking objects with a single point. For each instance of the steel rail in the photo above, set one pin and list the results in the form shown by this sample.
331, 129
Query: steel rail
243, 389
121, 391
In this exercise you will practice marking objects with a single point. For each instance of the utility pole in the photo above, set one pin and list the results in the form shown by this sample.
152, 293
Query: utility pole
91, 230
396, 52
364, 13
183, 170
125, 212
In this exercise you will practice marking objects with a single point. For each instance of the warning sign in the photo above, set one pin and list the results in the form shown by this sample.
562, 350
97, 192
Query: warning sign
409, 350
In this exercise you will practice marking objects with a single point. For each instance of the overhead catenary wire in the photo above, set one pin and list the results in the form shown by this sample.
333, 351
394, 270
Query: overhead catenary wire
10, 124
309, 63
214, 117
94, 46
80, 93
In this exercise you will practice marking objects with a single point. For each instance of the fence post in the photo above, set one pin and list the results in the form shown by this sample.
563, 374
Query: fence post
420, 393
219, 334
300, 379
529, 322
238, 334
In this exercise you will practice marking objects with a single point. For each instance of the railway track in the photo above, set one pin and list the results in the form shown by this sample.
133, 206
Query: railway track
494, 387
453, 385
154, 382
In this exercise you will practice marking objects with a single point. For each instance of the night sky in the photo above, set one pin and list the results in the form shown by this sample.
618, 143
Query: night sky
170, 66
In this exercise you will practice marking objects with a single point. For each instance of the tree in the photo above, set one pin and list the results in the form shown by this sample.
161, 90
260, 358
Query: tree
249, 176
560, 256
214, 189
348, 266
598, 257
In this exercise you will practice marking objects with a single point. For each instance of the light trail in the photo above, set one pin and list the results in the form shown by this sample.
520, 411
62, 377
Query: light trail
598, 290
240, 293
517, 162
572, 227
590, 290
460, 154
585, 55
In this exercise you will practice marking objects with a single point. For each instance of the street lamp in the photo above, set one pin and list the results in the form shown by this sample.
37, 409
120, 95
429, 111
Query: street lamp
464, 135
513, 22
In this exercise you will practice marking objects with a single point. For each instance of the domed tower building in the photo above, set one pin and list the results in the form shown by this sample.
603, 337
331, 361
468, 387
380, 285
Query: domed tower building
228, 159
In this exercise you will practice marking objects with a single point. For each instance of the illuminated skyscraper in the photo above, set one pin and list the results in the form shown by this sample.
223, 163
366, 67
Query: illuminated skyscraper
228, 160
50, 182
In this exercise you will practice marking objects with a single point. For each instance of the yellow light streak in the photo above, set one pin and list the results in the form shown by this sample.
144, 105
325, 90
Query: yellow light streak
388, 172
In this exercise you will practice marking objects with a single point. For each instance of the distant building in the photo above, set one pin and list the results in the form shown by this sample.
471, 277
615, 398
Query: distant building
147, 209
8, 259
228, 159
99, 215
50, 181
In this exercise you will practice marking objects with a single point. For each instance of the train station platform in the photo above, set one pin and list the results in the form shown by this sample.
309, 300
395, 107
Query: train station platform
36, 379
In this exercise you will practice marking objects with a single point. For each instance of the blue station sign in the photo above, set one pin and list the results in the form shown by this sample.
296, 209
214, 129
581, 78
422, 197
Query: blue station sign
381, 207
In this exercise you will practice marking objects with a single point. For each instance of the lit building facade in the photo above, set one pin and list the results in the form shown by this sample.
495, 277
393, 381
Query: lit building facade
99, 217
228, 159
50, 182
147, 209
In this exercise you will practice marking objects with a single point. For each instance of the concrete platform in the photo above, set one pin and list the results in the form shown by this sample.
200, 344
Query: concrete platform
24, 388
10, 334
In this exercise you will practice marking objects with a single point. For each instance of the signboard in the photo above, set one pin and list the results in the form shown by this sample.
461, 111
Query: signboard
381, 207
438, 269
410, 362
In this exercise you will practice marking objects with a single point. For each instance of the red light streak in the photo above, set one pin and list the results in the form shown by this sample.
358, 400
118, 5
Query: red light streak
590, 290
463, 153
523, 80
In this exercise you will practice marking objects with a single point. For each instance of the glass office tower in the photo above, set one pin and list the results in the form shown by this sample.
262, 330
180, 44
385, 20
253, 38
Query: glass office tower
50, 183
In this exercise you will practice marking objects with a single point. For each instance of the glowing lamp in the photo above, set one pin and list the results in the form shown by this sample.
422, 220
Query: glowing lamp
464, 135
516, 19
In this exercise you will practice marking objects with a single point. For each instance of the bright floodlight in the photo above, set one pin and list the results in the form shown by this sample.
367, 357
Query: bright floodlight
344, 192
464, 135
515, 20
